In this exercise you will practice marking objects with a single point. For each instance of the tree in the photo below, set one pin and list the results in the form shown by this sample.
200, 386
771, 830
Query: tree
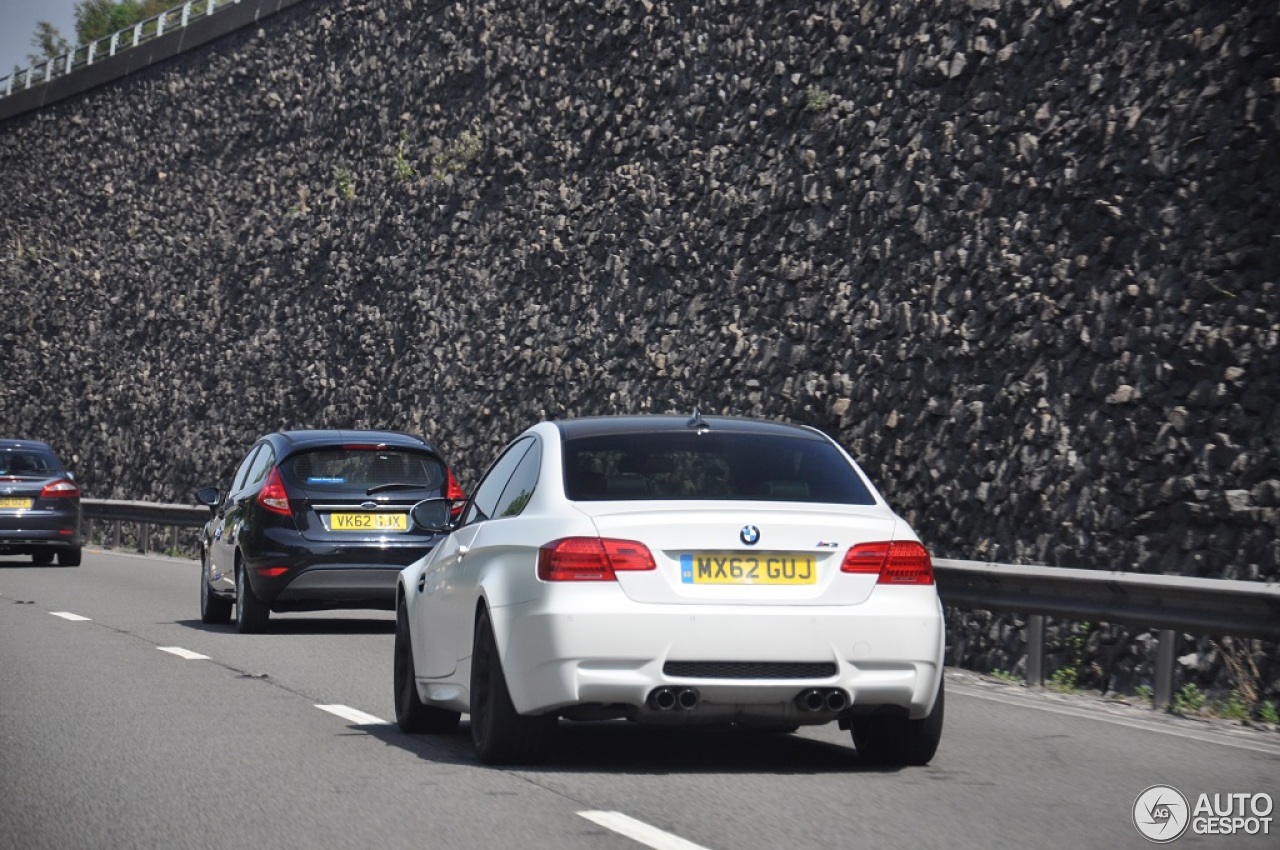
49, 42
96, 19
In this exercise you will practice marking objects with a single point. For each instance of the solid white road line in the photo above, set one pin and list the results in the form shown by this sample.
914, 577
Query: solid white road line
1206, 737
183, 653
67, 615
353, 715
636, 830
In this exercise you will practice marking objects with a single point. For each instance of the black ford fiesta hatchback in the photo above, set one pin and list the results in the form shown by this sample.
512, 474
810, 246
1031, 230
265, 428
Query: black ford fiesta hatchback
317, 520
39, 504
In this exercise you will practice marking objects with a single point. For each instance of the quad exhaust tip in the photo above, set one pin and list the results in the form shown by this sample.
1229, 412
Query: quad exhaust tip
822, 699
678, 699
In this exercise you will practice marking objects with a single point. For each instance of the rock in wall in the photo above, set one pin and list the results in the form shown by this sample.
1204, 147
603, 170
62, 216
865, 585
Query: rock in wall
1019, 256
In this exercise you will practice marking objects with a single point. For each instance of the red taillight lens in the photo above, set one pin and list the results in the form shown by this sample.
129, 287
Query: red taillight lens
896, 562
60, 490
273, 497
591, 559
453, 491
271, 572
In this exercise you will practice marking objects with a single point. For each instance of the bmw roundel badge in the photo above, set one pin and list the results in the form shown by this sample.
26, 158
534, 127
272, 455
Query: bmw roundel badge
750, 535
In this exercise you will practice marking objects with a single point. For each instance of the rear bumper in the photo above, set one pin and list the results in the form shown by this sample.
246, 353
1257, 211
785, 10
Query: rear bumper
32, 532
338, 587
320, 576
886, 653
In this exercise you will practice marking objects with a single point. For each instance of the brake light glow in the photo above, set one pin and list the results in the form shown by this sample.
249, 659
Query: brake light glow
592, 559
896, 562
273, 497
453, 491
60, 490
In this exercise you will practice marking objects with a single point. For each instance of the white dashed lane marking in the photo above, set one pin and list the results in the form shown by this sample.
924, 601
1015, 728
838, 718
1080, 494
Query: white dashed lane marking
183, 653
67, 615
637, 830
353, 715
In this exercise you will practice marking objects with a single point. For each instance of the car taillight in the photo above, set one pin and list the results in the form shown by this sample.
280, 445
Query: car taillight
591, 559
273, 497
454, 492
60, 490
271, 572
896, 562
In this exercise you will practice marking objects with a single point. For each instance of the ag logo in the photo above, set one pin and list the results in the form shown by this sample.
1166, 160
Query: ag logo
1161, 814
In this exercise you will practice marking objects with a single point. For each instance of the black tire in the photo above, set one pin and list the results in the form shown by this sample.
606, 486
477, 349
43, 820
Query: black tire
897, 741
251, 613
213, 608
42, 559
412, 714
69, 557
500, 735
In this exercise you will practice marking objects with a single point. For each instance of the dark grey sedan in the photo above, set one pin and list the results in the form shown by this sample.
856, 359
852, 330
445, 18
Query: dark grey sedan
39, 504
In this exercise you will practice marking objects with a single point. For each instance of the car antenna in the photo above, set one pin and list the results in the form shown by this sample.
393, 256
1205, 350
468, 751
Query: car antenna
696, 421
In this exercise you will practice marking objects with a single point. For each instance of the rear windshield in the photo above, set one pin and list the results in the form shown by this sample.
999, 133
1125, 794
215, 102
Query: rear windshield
692, 466
28, 462
350, 470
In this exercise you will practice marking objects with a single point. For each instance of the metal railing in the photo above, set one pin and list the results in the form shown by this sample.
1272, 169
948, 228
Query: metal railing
1174, 605
85, 55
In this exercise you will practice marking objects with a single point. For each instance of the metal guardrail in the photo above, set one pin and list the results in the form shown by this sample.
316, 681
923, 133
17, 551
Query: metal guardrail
107, 46
1175, 605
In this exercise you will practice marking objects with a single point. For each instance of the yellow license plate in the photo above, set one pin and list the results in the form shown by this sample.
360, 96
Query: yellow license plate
748, 568
20, 504
368, 522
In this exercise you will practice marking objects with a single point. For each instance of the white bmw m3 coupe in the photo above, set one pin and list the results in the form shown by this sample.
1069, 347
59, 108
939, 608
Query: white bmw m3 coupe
677, 570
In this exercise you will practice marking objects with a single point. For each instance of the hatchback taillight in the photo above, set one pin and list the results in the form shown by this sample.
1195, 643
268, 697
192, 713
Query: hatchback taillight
273, 497
896, 562
591, 559
60, 490
453, 491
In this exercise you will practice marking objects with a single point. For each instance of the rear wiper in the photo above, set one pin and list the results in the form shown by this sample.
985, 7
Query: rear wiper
394, 485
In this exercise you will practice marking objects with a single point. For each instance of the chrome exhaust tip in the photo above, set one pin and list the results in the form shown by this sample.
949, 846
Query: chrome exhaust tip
810, 700
687, 699
662, 699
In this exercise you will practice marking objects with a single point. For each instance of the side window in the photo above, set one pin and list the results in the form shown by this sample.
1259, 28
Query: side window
262, 463
488, 492
521, 486
237, 480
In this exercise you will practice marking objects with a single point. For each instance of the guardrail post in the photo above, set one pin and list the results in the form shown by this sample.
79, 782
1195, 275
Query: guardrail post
115, 536
1035, 650
144, 532
115, 42
1166, 649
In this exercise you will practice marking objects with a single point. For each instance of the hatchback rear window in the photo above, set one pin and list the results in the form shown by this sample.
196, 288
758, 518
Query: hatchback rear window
349, 470
710, 466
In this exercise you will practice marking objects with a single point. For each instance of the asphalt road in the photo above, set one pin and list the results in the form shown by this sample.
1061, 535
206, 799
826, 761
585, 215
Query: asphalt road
112, 736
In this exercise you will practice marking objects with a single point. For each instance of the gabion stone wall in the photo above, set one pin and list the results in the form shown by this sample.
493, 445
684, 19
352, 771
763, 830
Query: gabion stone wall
1020, 256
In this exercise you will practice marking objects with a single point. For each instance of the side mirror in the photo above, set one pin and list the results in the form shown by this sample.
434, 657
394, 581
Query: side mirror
433, 515
209, 497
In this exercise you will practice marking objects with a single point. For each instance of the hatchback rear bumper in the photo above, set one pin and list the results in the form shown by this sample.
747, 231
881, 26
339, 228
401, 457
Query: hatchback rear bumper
338, 587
